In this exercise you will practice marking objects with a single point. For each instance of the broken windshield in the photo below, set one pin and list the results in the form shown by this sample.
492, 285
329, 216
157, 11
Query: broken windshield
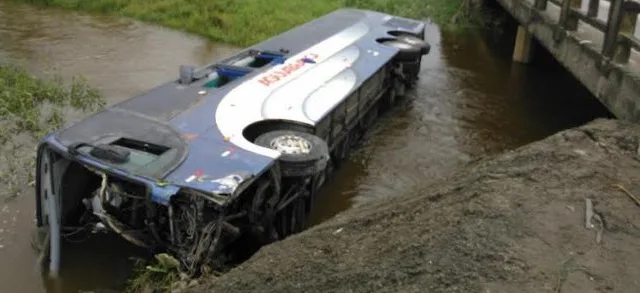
128, 155
127, 141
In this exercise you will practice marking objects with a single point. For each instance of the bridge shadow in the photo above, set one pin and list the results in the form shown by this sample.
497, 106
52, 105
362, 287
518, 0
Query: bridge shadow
600, 54
523, 102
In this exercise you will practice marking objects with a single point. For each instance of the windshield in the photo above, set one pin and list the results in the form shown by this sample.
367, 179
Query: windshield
127, 141
129, 159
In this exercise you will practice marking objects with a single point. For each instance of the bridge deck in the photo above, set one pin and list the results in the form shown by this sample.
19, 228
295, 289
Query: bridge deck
601, 53
605, 63
591, 34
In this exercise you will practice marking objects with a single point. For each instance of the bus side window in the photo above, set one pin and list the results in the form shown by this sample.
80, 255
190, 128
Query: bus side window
255, 59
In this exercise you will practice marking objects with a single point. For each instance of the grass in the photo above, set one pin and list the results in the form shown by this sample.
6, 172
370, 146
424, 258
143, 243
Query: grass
30, 108
249, 21
159, 277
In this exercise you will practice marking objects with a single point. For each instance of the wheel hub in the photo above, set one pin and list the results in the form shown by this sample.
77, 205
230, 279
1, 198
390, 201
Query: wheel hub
291, 144
411, 41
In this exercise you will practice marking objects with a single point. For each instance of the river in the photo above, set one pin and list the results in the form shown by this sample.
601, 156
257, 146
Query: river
470, 101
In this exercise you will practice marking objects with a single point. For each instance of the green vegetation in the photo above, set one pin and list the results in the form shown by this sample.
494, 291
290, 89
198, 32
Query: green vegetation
157, 277
250, 21
30, 108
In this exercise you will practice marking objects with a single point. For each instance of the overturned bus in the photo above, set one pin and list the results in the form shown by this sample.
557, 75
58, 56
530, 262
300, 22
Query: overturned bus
229, 155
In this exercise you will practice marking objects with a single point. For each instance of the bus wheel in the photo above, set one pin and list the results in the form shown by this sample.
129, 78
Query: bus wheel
407, 52
415, 42
303, 154
299, 215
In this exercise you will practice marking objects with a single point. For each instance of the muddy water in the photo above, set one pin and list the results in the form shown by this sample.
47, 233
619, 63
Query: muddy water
470, 101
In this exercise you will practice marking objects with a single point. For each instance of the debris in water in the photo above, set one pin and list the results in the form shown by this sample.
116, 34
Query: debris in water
337, 231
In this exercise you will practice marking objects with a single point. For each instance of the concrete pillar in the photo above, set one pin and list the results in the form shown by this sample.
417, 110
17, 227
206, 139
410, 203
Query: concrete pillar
523, 49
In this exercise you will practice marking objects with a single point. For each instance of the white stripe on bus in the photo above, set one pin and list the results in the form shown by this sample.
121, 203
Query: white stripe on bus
242, 106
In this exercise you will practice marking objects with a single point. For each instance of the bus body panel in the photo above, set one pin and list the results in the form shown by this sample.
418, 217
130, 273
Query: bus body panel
328, 60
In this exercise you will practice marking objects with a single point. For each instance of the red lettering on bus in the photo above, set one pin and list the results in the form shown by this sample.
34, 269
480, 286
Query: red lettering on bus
268, 79
286, 70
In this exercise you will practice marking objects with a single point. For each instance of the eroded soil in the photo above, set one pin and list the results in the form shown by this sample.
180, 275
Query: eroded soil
513, 223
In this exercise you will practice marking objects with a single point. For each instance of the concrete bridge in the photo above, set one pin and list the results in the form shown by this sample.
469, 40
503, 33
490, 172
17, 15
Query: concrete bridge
595, 40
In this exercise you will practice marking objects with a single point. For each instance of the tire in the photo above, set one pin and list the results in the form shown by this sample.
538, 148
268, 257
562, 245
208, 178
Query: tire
297, 161
407, 52
425, 48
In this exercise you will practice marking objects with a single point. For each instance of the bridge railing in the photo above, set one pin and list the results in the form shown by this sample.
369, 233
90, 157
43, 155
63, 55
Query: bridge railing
618, 29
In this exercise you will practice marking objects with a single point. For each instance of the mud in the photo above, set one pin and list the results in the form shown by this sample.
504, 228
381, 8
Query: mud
511, 223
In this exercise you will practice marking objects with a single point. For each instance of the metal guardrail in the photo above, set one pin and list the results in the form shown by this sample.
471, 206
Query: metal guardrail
618, 30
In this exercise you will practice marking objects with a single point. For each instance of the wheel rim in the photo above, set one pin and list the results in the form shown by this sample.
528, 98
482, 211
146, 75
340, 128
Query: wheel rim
291, 145
412, 41
400, 45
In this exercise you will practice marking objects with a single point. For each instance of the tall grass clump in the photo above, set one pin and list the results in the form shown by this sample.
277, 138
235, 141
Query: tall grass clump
30, 108
246, 22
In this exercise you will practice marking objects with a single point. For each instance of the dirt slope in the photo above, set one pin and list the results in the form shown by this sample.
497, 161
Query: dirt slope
514, 223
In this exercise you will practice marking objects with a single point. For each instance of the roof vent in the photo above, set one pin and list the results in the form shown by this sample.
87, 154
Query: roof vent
186, 74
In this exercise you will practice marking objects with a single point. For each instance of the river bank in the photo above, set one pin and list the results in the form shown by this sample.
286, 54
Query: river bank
511, 223
29, 108
247, 22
